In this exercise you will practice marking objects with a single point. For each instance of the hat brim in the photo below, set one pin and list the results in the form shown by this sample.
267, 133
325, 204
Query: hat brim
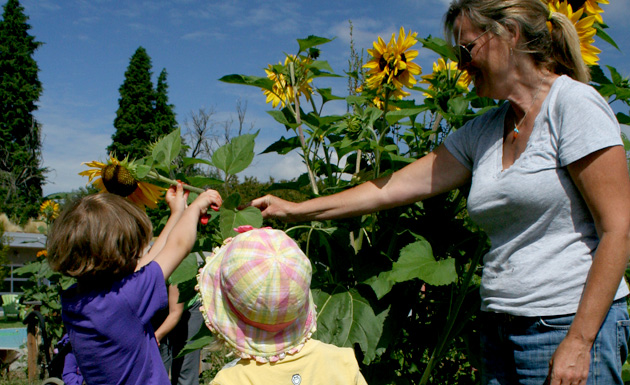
249, 341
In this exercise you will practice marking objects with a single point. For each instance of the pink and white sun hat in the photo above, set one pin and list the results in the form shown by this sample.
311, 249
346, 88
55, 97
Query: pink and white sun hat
256, 295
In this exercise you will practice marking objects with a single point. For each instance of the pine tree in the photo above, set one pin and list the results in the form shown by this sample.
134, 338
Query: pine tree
165, 121
134, 120
21, 174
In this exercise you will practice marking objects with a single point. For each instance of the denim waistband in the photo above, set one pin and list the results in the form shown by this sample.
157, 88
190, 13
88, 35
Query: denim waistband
511, 318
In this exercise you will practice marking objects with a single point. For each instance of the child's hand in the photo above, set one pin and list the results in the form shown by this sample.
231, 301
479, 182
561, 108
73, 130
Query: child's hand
176, 197
209, 198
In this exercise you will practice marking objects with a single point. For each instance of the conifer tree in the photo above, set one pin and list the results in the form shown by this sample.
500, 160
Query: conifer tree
144, 114
134, 120
165, 121
21, 174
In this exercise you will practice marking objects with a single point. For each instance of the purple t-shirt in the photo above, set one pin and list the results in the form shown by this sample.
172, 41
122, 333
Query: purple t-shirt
110, 330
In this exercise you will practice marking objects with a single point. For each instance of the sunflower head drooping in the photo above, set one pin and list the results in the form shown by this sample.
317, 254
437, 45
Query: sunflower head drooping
118, 180
120, 177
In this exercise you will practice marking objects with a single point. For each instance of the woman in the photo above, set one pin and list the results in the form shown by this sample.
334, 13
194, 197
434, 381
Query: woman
550, 186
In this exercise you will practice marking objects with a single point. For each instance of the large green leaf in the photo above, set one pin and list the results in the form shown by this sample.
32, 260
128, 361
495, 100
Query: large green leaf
167, 149
417, 261
200, 340
191, 161
345, 318
395, 116
312, 41
439, 46
256, 81
283, 145
236, 155
201, 181
230, 217
185, 270
282, 118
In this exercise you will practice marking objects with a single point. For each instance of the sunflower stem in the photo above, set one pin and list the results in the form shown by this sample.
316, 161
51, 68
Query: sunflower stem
159, 178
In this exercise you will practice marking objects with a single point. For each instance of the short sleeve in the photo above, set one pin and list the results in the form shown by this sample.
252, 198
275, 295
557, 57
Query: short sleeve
146, 292
583, 121
470, 141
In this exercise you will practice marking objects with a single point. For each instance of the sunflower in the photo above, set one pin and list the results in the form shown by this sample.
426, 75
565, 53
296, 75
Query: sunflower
49, 210
447, 73
592, 8
282, 90
584, 27
391, 63
119, 177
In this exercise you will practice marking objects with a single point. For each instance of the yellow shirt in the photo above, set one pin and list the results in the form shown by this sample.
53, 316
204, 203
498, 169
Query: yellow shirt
317, 363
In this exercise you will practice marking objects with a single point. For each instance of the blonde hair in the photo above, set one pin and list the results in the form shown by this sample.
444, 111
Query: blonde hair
98, 238
558, 50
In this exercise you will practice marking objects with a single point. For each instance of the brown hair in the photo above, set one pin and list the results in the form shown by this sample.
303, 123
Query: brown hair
558, 51
98, 238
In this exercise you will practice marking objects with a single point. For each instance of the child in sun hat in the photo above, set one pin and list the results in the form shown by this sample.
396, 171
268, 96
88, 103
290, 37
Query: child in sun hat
256, 299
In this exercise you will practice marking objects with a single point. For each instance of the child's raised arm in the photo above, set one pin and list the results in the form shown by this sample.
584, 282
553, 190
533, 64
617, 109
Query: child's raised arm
182, 237
176, 197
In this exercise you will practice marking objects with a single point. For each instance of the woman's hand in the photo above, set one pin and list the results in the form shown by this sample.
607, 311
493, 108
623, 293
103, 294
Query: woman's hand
274, 207
570, 363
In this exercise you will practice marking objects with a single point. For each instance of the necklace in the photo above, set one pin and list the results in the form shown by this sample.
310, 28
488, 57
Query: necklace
516, 126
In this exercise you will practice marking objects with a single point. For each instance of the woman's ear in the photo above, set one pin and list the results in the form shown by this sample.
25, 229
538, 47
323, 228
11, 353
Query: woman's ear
514, 33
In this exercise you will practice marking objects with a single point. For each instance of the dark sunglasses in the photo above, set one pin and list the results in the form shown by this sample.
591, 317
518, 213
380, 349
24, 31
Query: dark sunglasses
464, 52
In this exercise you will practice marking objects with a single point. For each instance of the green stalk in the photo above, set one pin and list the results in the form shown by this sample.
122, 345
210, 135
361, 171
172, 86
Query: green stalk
445, 337
159, 178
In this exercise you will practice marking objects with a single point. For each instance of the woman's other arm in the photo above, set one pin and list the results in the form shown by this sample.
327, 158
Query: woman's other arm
602, 178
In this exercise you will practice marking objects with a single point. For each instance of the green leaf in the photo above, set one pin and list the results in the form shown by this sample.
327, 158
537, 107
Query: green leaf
142, 171
312, 41
395, 116
230, 217
200, 340
191, 161
281, 118
235, 156
623, 118
381, 284
283, 146
201, 181
439, 46
256, 81
167, 149
457, 106
604, 36
417, 261
346, 318
326, 94
185, 270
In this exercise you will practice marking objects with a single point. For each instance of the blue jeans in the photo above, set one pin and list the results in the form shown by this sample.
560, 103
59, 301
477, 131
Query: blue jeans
517, 350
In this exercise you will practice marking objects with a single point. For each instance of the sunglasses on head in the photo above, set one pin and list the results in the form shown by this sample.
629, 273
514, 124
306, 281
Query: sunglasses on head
464, 52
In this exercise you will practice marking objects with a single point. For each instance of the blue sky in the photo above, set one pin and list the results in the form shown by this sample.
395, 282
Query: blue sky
88, 44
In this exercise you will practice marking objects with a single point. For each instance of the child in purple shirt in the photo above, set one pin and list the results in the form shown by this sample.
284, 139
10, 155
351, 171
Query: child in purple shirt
100, 240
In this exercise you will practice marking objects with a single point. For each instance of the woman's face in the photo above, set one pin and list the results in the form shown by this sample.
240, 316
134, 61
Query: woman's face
490, 58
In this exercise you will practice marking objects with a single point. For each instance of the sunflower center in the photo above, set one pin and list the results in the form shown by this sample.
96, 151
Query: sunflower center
118, 180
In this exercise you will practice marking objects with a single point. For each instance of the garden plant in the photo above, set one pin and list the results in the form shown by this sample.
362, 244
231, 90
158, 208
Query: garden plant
399, 286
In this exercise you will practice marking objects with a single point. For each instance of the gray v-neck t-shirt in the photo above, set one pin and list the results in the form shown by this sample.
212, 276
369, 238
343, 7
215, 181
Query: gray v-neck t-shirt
542, 233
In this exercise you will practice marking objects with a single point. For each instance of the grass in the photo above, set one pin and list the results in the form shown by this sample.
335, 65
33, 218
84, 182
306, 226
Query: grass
8, 323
